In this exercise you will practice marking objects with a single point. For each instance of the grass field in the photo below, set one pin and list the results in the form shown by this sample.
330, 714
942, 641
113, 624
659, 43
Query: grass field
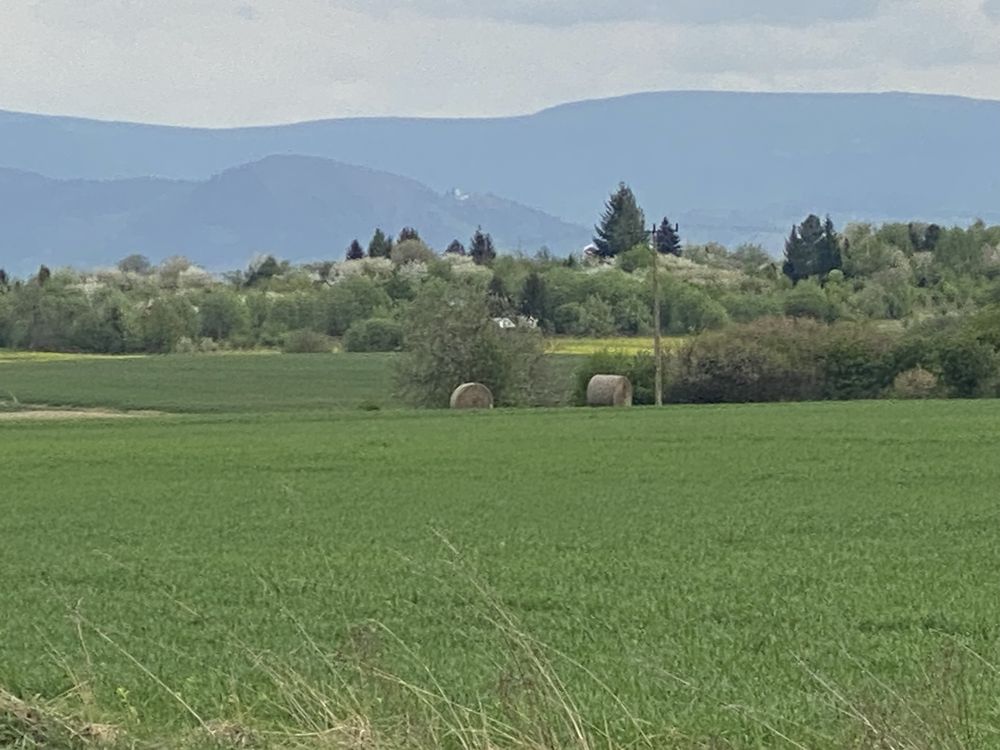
713, 577
236, 383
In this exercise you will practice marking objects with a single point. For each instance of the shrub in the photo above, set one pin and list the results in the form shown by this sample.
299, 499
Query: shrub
744, 308
306, 342
915, 383
204, 345
450, 339
808, 300
729, 368
634, 259
688, 309
375, 335
411, 251
968, 367
856, 362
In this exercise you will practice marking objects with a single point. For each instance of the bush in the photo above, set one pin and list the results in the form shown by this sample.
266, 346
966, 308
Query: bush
808, 300
688, 309
968, 367
411, 251
450, 339
744, 308
640, 369
306, 342
204, 345
856, 362
783, 359
730, 368
915, 383
375, 335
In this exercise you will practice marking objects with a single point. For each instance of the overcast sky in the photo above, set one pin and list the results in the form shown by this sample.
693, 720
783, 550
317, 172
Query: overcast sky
231, 62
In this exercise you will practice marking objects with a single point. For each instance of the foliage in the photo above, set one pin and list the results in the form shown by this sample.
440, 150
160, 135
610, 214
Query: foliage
915, 383
668, 241
136, 263
481, 248
380, 245
450, 339
455, 248
355, 251
808, 300
812, 250
264, 269
411, 251
355, 298
374, 335
165, 322
744, 364
622, 226
306, 342
223, 314
408, 234
894, 272
639, 368
535, 296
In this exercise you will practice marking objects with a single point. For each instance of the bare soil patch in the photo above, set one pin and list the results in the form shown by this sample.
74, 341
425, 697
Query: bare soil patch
44, 414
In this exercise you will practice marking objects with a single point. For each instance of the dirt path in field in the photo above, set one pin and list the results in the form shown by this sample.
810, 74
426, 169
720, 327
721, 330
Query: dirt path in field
39, 414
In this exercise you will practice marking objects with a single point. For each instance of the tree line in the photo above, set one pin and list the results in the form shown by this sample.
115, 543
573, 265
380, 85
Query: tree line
902, 272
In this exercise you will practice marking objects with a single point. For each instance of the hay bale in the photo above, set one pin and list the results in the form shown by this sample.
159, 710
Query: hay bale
472, 396
609, 390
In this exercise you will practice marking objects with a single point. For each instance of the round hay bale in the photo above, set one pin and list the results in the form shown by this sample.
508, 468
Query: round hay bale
609, 390
472, 396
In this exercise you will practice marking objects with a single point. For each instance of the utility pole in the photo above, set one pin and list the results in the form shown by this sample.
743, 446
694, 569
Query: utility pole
657, 339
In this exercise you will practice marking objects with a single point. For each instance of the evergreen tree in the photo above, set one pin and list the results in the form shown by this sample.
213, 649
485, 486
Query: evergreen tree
380, 245
355, 251
812, 249
499, 298
481, 248
265, 269
44, 274
534, 296
4, 281
408, 233
455, 248
668, 241
623, 225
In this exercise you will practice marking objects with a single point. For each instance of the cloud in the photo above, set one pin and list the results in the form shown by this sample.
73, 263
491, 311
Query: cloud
572, 12
206, 63
992, 8
246, 12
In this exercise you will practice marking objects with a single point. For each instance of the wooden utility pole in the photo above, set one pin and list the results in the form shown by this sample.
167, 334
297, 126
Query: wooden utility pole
657, 339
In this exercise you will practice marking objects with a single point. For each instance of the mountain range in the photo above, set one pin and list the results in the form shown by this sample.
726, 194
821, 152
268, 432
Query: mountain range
729, 167
297, 207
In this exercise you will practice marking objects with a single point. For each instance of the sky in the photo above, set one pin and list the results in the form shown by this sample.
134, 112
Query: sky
221, 63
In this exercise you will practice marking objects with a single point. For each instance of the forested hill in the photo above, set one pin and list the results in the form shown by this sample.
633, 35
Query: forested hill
296, 207
729, 166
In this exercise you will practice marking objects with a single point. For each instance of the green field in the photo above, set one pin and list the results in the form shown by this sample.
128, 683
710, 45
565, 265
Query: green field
695, 576
232, 383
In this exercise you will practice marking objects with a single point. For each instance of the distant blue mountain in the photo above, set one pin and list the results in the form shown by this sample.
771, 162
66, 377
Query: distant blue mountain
296, 207
728, 166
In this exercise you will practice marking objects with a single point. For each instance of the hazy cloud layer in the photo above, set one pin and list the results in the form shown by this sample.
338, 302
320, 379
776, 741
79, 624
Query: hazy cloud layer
568, 13
223, 62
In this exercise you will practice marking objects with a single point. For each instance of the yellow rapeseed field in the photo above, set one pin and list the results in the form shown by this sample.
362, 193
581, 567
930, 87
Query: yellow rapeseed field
626, 344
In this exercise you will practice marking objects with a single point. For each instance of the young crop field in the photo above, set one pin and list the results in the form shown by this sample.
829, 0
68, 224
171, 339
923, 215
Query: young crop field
794, 575
224, 383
